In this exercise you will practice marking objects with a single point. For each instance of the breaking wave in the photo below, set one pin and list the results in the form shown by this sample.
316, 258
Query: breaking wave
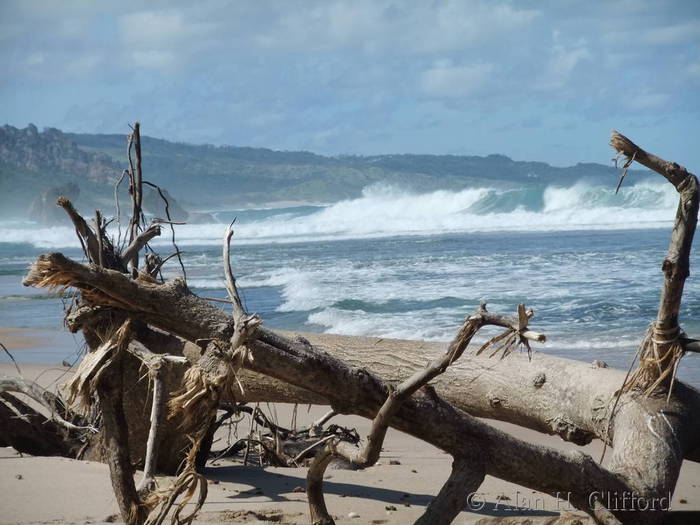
384, 211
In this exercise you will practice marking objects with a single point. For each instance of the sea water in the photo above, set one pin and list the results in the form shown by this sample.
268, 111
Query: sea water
411, 265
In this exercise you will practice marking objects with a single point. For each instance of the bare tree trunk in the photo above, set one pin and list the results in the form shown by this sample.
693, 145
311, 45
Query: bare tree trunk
650, 427
109, 393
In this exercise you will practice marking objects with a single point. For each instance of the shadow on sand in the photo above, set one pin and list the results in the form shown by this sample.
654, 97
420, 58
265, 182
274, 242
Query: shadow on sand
278, 486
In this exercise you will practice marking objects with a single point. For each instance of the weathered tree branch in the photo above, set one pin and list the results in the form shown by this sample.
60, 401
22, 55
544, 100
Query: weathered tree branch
663, 349
29, 431
572, 403
445, 507
109, 394
173, 308
466, 476
148, 481
43, 397
131, 252
91, 245
135, 187
245, 325
650, 436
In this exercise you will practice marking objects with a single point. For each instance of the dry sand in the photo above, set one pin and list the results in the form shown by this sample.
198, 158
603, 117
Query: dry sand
59, 490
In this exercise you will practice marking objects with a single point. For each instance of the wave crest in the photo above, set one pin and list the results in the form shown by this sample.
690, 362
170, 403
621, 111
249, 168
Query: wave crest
384, 211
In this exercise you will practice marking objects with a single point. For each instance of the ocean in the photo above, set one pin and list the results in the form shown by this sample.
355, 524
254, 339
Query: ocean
411, 265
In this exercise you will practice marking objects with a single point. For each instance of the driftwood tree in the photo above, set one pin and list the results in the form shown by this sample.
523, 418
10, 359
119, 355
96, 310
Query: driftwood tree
130, 319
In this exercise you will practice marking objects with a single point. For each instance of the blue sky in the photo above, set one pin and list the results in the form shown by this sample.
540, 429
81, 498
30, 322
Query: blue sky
533, 80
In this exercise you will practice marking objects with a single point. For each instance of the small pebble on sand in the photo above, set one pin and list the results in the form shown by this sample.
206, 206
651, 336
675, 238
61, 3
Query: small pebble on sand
353, 515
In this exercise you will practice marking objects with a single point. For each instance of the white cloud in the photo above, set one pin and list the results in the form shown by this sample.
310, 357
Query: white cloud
444, 79
162, 39
82, 65
562, 63
35, 59
329, 74
266, 119
153, 59
693, 70
645, 100
673, 34
153, 26
381, 25
457, 24
328, 25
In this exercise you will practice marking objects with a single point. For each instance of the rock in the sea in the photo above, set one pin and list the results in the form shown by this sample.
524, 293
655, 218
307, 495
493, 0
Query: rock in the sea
43, 208
154, 204
200, 217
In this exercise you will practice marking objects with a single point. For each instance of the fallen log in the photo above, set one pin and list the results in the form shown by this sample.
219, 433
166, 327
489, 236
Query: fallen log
651, 422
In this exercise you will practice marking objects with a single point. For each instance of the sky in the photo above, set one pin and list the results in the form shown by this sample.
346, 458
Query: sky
533, 80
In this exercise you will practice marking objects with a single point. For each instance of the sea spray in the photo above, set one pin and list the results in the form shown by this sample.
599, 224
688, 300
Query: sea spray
385, 211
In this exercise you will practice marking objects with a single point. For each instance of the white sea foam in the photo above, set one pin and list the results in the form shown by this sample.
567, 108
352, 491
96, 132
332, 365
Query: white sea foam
409, 325
439, 325
389, 211
206, 283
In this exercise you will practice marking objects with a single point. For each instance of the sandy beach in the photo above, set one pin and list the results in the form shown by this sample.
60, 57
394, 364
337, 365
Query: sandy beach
395, 491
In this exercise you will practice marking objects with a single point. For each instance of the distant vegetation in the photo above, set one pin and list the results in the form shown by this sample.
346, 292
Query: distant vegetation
207, 177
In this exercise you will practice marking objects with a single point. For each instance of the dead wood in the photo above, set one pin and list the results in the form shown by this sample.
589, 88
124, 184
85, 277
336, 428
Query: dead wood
663, 347
465, 478
279, 446
29, 431
466, 475
136, 183
86, 236
131, 252
171, 307
109, 393
394, 385
148, 482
